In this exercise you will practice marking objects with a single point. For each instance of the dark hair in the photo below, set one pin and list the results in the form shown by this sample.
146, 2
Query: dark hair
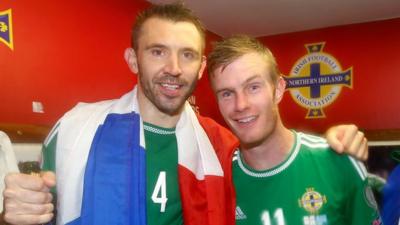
175, 12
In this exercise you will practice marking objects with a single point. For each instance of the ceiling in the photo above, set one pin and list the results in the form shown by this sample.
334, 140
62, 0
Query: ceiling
269, 17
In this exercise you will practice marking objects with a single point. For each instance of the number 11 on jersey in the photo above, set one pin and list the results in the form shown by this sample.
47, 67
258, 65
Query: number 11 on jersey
278, 217
160, 191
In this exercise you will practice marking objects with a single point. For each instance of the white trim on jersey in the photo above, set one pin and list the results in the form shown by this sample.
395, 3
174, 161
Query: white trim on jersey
359, 166
278, 169
156, 130
313, 141
313, 138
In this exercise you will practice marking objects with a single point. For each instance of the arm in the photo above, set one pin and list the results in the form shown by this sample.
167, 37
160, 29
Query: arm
348, 139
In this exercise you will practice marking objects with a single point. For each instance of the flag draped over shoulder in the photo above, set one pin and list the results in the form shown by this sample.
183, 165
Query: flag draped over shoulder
6, 34
100, 166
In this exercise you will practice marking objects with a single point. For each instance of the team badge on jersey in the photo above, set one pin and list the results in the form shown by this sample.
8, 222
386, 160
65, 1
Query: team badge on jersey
312, 201
316, 79
6, 34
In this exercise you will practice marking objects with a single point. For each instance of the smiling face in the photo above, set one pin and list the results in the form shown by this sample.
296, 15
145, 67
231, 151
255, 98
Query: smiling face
169, 62
247, 98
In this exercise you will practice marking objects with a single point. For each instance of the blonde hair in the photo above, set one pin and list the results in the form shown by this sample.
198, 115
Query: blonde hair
229, 49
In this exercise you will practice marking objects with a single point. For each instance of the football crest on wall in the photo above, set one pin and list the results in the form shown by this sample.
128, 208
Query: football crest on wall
6, 34
316, 79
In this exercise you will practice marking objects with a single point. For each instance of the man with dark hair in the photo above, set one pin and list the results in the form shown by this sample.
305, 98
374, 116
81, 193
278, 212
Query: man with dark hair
281, 176
145, 158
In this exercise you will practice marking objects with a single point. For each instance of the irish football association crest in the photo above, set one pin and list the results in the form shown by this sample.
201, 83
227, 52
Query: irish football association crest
312, 201
316, 79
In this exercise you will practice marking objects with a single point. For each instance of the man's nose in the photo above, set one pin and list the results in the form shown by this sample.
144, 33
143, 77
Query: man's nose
241, 103
173, 66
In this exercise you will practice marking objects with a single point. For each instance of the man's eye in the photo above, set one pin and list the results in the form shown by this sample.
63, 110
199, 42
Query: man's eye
254, 87
226, 94
156, 52
189, 55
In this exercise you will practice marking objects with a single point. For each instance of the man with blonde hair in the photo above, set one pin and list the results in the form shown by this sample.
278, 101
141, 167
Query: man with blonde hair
281, 176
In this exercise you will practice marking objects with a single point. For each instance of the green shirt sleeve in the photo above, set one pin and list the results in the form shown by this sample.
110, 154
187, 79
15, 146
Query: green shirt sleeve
362, 207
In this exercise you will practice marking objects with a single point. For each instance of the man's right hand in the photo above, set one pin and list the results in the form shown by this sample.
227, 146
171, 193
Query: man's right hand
27, 198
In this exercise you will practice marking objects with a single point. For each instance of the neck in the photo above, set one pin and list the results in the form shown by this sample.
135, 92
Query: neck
272, 151
151, 114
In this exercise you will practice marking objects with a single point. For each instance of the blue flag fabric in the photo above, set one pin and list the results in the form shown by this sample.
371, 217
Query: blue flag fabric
391, 198
123, 159
6, 28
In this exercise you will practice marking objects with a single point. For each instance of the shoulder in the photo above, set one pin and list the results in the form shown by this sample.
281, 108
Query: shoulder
84, 109
312, 142
77, 117
314, 146
318, 148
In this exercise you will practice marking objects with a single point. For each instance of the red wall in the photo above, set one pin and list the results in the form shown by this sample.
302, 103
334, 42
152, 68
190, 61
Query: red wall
70, 51
373, 50
64, 52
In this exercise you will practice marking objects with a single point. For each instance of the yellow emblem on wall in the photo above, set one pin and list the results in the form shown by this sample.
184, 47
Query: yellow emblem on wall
316, 79
6, 31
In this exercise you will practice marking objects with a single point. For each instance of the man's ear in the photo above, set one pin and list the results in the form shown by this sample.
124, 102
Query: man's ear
131, 60
280, 89
202, 66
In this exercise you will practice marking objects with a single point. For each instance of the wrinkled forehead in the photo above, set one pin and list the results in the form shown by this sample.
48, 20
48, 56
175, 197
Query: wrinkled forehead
166, 32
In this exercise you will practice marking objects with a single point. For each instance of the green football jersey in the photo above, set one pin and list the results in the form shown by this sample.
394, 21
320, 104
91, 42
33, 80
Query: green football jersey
312, 186
162, 190
163, 198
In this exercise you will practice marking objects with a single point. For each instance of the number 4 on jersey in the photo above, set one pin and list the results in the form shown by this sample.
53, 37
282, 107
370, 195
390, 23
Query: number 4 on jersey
160, 191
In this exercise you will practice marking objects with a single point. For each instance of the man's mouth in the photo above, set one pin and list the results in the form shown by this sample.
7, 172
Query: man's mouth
246, 119
170, 86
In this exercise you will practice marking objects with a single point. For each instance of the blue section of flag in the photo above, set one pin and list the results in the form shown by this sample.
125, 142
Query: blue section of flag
6, 27
391, 198
115, 177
